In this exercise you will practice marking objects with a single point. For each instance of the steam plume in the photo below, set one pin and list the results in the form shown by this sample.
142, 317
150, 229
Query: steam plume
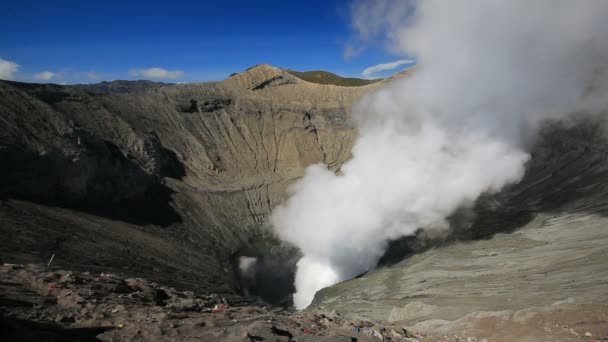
490, 72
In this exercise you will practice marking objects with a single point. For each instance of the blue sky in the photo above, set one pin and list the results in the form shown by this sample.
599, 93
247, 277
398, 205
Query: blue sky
90, 41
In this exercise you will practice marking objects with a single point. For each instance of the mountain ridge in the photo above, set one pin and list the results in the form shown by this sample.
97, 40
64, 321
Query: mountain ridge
311, 76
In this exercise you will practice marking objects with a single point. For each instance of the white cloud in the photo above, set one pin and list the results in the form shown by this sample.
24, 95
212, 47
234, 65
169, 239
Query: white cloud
157, 73
45, 76
369, 72
92, 75
8, 69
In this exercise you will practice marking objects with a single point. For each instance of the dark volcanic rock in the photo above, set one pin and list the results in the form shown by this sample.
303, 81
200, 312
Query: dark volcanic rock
120, 87
109, 314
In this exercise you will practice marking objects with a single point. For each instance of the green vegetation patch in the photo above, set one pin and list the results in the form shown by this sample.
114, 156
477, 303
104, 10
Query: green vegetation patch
324, 77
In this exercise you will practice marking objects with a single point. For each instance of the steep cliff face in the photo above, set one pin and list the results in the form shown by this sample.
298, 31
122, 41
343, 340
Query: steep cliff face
194, 168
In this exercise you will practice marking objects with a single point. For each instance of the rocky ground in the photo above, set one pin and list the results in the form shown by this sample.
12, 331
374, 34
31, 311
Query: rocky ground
44, 304
40, 303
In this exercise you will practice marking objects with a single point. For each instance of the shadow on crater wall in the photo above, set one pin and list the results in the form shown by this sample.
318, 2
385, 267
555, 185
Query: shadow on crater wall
100, 181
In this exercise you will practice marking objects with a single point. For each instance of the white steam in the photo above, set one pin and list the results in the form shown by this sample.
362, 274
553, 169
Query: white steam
490, 71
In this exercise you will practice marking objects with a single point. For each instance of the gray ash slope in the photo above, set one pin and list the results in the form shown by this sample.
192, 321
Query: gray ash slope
170, 182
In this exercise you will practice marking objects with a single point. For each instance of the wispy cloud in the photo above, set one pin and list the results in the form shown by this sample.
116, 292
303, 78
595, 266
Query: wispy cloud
351, 50
93, 75
8, 69
374, 69
45, 76
373, 23
157, 73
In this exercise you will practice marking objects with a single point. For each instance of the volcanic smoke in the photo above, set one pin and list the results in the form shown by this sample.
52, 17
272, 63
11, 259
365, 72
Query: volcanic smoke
489, 73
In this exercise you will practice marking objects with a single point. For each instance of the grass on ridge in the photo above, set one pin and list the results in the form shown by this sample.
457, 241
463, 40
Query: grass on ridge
325, 77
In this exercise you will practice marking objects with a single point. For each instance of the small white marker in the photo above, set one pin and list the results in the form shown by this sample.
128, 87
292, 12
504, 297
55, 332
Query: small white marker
50, 261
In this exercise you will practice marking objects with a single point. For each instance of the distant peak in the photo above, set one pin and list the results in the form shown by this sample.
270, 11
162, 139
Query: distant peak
261, 66
256, 75
259, 73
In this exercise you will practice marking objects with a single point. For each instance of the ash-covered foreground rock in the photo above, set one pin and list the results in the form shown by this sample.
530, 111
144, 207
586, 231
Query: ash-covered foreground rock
44, 304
